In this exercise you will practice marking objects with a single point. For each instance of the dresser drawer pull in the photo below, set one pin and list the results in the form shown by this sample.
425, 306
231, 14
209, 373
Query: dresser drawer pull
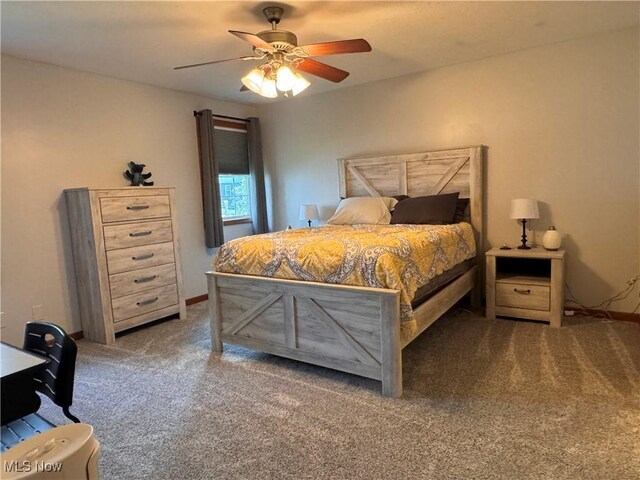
145, 279
143, 257
524, 292
147, 302
137, 207
141, 234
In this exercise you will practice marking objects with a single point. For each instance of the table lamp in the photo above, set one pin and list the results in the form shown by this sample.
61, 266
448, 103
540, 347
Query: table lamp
524, 209
309, 212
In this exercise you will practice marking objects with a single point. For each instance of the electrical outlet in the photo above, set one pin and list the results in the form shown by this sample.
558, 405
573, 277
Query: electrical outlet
37, 312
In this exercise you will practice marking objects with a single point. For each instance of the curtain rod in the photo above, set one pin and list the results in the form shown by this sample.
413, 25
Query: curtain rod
195, 114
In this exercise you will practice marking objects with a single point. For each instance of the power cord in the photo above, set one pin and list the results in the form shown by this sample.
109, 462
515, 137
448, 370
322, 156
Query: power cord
605, 304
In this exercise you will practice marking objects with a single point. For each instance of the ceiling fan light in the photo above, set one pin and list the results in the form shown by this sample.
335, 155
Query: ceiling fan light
285, 79
254, 80
269, 88
300, 84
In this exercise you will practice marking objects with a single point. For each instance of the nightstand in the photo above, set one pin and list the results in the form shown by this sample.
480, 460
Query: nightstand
526, 284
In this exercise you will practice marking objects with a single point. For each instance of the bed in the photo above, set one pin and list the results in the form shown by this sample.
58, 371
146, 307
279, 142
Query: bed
355, 329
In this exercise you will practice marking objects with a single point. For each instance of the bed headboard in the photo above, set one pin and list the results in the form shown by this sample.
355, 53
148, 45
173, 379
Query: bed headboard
416, 174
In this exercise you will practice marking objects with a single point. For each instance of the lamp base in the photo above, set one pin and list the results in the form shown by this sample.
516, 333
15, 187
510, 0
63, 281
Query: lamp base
524, 245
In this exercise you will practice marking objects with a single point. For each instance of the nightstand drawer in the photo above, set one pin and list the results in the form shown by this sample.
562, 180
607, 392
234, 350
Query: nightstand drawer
517, 295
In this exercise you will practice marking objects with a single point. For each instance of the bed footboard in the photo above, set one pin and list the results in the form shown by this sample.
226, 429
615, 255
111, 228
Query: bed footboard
351, 329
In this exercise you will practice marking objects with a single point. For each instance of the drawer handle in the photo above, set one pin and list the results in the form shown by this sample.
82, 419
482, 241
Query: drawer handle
143, 257
145, 279
141, 234
147, 302
524, 292
137, 207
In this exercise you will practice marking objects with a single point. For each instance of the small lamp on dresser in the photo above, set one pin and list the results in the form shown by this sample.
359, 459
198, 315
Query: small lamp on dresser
524, 209
308, 213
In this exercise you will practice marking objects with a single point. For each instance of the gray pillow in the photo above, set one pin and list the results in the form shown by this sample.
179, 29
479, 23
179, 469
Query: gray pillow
428, 210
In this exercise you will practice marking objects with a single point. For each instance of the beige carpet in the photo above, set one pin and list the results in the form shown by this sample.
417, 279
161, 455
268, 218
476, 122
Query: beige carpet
483, 399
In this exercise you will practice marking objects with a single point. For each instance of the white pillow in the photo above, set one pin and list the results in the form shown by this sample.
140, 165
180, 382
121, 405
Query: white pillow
371, 210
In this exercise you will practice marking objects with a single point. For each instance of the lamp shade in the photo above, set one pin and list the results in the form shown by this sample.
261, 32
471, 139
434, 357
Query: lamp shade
269, 88
524, 208
309, 212
285, 80
253, 80
301, 84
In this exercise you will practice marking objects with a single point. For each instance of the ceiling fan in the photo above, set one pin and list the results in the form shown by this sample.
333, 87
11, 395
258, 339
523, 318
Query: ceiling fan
283, 57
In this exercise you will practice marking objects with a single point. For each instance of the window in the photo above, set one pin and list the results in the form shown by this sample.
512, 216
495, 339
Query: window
234, 196
231, 152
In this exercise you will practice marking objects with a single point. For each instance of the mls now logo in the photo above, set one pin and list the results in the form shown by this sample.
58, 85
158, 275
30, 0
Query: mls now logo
26, 466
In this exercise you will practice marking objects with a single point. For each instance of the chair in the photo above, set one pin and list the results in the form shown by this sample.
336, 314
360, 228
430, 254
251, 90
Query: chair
55, 381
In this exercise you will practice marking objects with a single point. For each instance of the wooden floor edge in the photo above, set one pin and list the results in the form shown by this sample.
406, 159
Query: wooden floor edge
626, 317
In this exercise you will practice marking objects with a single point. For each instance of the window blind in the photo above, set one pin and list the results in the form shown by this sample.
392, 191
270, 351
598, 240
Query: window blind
231, 151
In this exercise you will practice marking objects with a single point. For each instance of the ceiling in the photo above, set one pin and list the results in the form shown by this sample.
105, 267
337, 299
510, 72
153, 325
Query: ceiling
143, 41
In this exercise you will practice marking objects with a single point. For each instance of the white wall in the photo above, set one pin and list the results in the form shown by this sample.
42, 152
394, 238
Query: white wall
63, 128
561, 123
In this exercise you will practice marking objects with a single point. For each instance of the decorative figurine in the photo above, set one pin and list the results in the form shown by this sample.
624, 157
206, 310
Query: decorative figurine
136, 176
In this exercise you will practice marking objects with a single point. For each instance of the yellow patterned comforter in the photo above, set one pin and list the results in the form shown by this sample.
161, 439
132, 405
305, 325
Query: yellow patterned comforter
400, 257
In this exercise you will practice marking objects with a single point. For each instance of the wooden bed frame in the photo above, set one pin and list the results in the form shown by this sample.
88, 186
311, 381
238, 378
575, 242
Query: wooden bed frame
347, 328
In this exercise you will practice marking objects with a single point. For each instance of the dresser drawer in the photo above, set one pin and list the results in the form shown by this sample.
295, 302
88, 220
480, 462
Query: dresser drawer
515, 295
134, 234
144, 302
119, 209
135, 258
136, 281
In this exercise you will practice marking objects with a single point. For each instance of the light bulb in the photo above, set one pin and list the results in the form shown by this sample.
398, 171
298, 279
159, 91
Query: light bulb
285, 79
253, 80
268, 88
301, 84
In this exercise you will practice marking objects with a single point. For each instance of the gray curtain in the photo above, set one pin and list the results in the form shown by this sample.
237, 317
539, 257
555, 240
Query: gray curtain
213, 227
256, 169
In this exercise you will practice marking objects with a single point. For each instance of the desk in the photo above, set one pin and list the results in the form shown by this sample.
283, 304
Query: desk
17, 368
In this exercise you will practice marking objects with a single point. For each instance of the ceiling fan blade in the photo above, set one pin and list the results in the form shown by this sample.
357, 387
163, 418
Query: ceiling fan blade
217, 61
322, 70
254, 40
358, 45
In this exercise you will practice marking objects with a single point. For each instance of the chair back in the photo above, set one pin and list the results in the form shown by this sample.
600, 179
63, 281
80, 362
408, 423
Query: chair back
56, 380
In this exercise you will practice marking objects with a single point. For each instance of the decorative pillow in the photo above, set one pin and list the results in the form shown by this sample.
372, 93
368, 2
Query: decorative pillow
355, 210
461, 207
390, 202
432, 209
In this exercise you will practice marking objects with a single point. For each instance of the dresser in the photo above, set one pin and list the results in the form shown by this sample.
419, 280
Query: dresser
526, 284
126, 258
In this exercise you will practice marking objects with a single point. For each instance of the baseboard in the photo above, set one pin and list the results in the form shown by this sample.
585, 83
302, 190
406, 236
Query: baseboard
627, 317
77, 335
198, 299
